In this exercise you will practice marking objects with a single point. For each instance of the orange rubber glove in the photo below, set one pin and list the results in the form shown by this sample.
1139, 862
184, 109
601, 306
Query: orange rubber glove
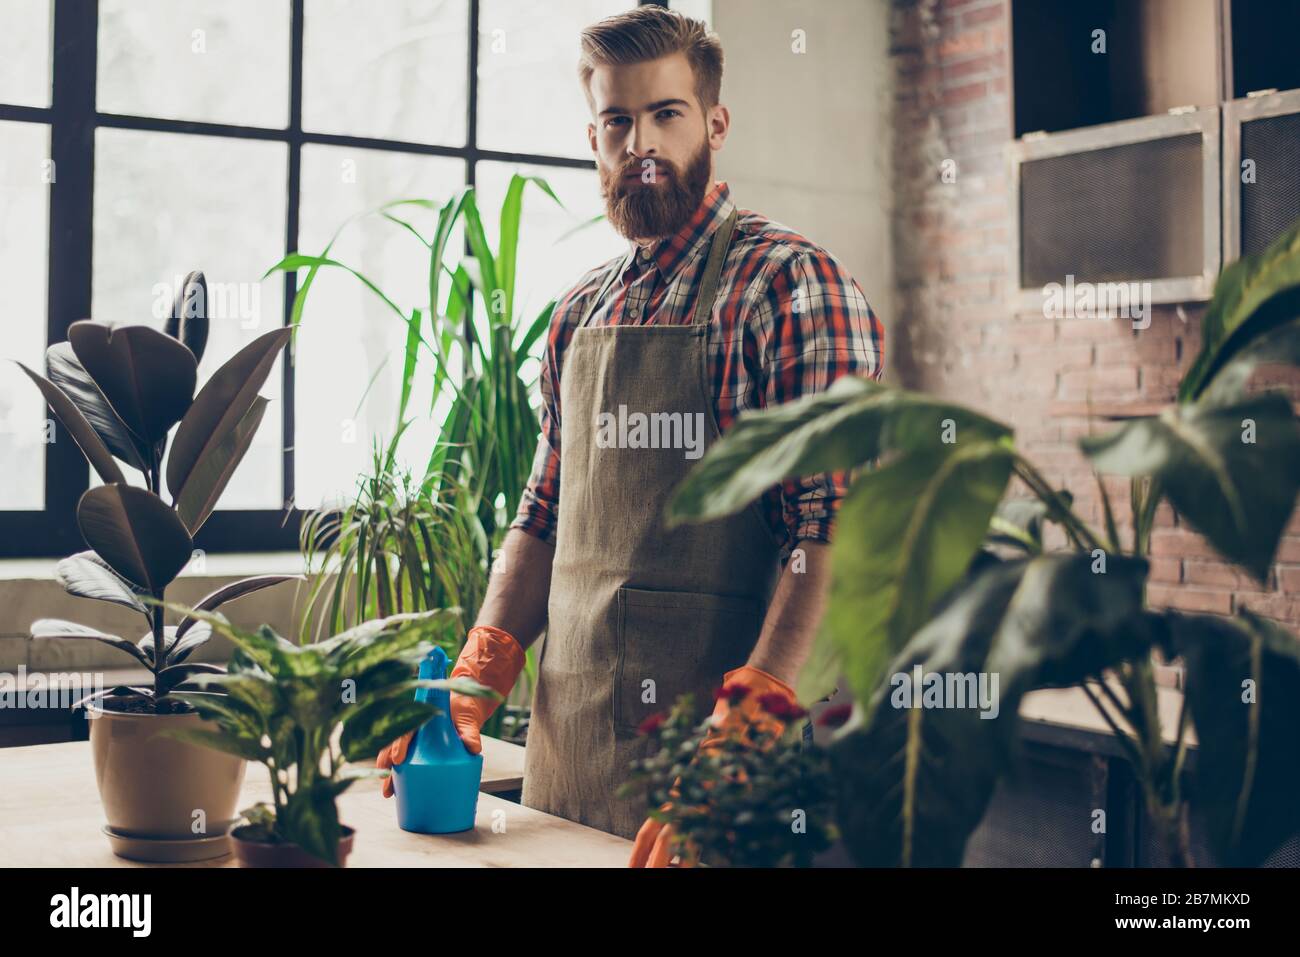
652, 847
491, 657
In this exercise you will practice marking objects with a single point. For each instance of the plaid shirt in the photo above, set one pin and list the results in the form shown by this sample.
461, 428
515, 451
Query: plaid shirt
790, 322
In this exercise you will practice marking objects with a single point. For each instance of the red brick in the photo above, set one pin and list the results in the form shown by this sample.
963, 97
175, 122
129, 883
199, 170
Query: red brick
1167, 570
1220, 574
1180, 543
1285, 608
1289, 578
1099, 382
1190, 599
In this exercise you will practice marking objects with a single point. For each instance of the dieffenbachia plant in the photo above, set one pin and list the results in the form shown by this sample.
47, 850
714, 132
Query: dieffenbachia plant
305, 711
915, 582
118, 391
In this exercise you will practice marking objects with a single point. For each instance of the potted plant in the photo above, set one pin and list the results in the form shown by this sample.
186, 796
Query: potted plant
928, 574
379, 546
304, 712
118, 391
761, 799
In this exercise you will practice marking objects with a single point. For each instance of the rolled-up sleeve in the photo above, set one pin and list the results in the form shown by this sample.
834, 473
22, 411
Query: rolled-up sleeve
814, 325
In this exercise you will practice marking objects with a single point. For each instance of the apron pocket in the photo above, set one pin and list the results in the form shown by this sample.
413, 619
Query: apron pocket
677, 642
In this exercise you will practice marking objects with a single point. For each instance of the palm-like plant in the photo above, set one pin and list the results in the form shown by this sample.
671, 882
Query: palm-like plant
383, 547
915, 583
118, 391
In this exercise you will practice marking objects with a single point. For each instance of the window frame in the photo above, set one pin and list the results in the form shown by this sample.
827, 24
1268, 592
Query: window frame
73, 119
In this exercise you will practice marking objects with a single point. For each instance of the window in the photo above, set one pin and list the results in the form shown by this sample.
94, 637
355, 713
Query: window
140, 139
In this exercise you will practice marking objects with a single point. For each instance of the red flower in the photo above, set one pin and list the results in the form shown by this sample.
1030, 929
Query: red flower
779, 706
733, 691
835, 716
651, 724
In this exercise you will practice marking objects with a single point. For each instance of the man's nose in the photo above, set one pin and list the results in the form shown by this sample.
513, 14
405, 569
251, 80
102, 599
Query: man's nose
643, 145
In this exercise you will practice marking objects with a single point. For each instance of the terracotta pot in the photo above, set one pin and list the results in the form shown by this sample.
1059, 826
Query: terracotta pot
152, 786
264, 854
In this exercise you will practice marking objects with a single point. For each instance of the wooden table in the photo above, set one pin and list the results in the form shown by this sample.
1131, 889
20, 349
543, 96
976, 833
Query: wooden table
50, 817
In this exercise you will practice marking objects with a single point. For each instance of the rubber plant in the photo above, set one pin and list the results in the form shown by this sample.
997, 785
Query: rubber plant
929, 572
305, 711
118, 391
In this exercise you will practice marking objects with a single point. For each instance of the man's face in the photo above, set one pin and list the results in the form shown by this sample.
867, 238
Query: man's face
653, 144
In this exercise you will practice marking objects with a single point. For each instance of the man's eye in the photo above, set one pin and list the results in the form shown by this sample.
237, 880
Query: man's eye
668, 114
615, 120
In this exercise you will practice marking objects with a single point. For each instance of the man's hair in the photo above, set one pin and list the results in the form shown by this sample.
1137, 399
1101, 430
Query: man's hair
648, 33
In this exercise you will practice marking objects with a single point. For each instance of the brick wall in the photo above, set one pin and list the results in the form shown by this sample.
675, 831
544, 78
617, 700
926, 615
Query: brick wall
957, 333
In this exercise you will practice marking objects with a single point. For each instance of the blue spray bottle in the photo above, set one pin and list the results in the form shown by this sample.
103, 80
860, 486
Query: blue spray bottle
437, 785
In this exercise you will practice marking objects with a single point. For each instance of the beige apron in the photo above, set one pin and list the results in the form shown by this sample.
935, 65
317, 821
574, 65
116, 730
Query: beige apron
638, 613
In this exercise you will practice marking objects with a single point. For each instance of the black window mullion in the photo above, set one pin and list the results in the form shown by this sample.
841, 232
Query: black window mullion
291, 242
71, 225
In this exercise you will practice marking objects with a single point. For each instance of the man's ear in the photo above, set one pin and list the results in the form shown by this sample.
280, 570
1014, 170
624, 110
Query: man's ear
719, 122
591, 136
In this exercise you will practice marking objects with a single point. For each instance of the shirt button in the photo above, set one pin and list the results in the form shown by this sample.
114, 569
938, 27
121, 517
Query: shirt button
645, 254
634, 312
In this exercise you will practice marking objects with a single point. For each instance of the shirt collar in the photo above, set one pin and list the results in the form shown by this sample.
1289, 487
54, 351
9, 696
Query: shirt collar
673, 252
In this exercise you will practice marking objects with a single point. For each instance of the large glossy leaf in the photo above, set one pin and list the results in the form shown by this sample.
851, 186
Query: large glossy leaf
147, 376
175, 675
1235, 315
1243, 687
231, 591
136, 534
914, 782
1238, 493
905, 534
221, 405
226, 741
203, 486
66, 372
188, 321
1280, 344
86, 575
851, 423
920, 778
82, 432
54, 628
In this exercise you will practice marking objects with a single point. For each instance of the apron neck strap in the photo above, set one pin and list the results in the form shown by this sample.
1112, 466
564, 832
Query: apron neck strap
718, 246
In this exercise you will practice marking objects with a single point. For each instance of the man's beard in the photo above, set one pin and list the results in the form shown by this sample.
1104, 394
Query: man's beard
641, 210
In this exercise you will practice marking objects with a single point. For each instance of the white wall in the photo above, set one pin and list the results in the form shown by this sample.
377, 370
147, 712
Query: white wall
811, 133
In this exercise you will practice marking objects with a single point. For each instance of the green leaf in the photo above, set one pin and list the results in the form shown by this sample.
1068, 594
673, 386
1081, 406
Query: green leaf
905, 534
310, 819
226, 741
1243, 688
1235, 315
1237, 493
850, 424
368, 729
1276, 344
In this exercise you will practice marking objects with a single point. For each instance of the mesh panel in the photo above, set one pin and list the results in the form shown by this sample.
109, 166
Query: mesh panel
1041, 820
1130, 212
1271, 203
